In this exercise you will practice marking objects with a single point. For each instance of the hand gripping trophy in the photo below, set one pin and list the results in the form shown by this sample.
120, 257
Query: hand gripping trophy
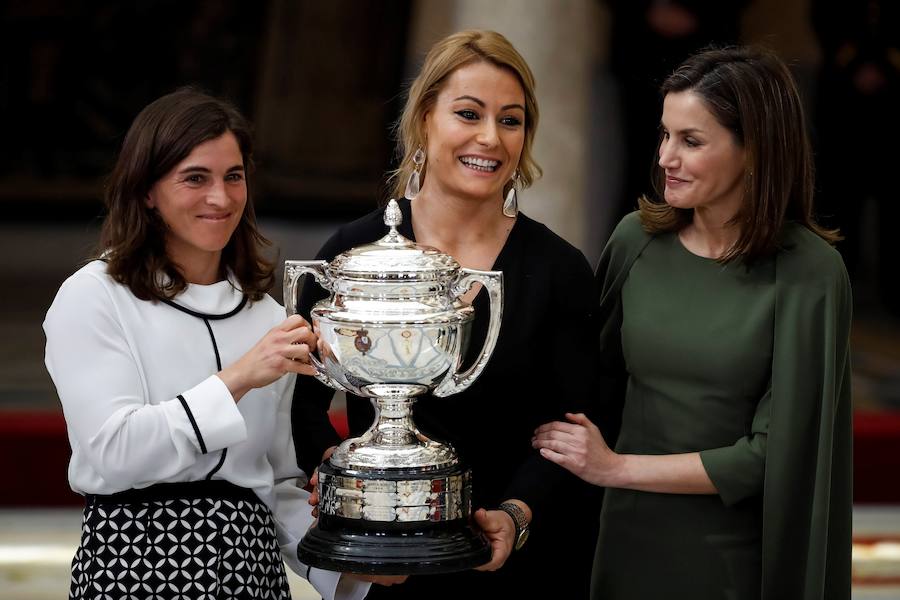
392, 501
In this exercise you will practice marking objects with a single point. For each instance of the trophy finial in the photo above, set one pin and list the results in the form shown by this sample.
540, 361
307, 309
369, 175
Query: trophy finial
392, 215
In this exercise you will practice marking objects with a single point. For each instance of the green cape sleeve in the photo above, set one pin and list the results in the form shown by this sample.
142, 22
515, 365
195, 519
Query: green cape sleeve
807, 501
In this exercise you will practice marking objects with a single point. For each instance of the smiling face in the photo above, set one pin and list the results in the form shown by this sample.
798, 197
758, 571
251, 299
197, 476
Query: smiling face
201, 201
703, 163
475, 133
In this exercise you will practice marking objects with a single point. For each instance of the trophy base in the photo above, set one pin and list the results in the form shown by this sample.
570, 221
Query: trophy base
394, 522
441, 549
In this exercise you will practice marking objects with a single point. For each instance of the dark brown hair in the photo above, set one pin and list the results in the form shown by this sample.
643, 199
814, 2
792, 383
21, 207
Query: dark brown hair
750, 92
132, 240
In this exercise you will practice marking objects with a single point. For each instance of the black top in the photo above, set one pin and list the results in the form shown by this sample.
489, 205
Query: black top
539, 370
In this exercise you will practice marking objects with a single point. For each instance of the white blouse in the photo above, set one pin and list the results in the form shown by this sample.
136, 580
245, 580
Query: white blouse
143, 405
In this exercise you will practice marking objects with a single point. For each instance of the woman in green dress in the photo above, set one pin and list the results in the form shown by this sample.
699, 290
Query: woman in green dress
724, 319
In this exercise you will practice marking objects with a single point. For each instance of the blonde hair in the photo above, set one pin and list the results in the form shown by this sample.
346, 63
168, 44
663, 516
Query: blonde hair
445, 57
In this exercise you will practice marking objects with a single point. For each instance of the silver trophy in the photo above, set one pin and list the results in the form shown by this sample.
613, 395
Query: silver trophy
392, 501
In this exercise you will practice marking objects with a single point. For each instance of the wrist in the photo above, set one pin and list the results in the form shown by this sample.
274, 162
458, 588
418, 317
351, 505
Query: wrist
524, 507
620, 475
232, 379
516, 510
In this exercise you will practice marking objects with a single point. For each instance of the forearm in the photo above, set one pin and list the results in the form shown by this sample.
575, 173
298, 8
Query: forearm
665, 474
130, 442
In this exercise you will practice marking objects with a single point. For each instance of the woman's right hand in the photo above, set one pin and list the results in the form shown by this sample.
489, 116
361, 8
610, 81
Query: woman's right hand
579, 447
284, 349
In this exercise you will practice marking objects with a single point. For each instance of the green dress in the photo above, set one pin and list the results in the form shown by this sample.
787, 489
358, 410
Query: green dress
749, 367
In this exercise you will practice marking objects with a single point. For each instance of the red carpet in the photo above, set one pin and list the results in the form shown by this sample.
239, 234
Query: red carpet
876, 457
34, 455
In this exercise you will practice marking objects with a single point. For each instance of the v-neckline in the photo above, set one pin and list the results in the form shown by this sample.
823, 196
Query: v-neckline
406, 230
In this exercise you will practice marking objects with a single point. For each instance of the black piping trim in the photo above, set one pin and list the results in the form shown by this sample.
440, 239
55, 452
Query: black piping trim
190, 415
201, 315
212, 338
219, 465
215, 345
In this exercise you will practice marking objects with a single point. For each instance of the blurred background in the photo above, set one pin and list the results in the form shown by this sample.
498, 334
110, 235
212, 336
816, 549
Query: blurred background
323, 83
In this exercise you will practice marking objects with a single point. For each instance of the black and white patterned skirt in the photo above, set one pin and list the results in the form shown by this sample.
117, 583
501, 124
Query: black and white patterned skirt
199, 540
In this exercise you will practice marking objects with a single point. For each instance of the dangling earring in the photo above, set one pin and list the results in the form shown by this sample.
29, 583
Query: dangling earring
412, 185
511, 204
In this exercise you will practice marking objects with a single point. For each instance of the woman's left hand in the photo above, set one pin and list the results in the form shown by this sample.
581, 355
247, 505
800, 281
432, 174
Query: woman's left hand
500, 531
579, 447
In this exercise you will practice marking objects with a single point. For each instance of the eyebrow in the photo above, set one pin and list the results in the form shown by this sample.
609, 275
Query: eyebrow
199, 169
482, 105
688, 131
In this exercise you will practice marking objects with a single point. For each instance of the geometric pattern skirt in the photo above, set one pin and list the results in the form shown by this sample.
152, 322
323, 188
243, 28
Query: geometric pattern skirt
208, 540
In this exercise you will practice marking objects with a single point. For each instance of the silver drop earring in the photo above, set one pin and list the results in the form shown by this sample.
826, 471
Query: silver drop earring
412, 184
511, 204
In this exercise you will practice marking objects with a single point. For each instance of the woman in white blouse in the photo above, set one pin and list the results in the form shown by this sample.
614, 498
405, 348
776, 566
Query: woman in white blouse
170, 362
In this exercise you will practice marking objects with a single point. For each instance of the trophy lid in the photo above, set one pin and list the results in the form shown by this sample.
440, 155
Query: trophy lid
393, 257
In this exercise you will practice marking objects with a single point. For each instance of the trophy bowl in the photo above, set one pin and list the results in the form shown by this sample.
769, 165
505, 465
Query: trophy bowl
392, 501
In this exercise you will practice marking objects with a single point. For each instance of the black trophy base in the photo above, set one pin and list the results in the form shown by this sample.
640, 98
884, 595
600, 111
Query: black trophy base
453, 546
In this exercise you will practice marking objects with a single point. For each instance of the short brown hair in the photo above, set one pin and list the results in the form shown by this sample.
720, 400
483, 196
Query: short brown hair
750, 92
445, 57
132, 240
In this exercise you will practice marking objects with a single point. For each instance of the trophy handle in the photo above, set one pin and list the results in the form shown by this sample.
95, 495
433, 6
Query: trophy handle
493, 283
293, 269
